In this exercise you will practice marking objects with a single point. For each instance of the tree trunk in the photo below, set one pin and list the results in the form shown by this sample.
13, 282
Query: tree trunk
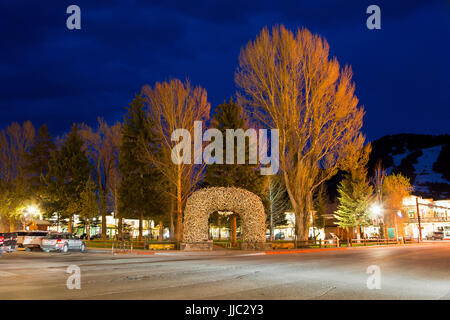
179, 209
12, 224
103, 208
302, 227
141, 220
160, 236
88, 229
171, 227
120, 227
117, 214
233, 231
220, 227
271, 227
69, 225
4, 226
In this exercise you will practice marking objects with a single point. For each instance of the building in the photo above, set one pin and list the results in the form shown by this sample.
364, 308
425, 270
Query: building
131, 225
434, 215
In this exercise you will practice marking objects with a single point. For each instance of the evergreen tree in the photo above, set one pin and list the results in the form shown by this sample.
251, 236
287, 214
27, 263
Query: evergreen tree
37, 160
138, 191
68, 171
88, 205
355, 197
231, 116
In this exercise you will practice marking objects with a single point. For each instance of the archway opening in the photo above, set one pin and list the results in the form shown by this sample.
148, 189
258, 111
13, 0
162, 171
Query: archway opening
225, 228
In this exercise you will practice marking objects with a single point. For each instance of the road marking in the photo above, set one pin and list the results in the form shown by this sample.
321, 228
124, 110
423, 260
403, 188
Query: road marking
251, 254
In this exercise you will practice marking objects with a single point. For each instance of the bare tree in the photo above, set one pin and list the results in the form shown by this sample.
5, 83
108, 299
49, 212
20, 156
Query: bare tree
279, 202
115, 179
14, 143
289, 82
102, 149
175, 105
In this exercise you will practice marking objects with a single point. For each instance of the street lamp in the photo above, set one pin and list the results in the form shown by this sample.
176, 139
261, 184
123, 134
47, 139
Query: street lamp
376, 210
32, 210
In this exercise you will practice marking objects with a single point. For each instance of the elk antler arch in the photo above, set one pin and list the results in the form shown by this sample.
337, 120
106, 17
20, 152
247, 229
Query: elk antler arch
202, 203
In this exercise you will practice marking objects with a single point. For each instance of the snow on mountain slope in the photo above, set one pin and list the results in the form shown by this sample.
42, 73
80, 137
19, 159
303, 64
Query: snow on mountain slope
424, 159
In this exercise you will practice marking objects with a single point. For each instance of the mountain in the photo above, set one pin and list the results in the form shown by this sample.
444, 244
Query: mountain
425, 159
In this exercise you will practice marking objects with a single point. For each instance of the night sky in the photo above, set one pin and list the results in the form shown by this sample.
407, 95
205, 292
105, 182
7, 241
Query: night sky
58, 76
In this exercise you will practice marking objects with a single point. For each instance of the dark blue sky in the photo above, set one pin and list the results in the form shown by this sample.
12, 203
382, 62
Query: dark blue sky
54, 75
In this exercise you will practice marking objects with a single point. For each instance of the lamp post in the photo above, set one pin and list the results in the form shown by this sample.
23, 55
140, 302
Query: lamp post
418, 219
377, 212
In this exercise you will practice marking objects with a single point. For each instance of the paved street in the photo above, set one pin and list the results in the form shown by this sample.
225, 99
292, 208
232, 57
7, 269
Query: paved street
414, 272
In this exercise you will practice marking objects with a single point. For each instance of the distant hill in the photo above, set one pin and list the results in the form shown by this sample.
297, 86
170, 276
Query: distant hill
425, 159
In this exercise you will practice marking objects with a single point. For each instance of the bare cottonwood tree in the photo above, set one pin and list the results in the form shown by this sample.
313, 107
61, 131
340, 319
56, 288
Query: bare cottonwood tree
102, 147
289, 82
175, 105
14, 143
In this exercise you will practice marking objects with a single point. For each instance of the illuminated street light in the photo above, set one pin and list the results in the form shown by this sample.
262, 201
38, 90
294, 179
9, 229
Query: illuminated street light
376, 209
33, 210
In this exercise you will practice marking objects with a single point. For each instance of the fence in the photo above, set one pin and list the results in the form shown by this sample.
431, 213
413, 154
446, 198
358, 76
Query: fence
129, 245
350, 243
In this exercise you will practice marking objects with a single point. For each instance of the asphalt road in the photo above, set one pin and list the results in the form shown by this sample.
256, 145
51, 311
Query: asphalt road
414, 272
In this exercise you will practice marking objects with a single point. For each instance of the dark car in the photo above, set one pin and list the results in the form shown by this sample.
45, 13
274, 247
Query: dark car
279, 236
96, 236
8, 242
2, 239
437, 235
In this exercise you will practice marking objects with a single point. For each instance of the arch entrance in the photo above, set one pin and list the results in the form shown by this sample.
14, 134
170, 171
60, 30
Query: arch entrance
202, 203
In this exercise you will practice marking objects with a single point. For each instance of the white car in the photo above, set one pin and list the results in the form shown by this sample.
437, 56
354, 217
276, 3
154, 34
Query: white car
32, 239
62, 242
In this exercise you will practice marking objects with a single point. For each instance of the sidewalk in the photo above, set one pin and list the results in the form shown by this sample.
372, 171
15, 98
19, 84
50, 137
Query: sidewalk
233, 252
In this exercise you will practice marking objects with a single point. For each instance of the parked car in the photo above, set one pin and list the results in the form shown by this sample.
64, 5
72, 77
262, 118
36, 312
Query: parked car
436, 235
62, 242
408, 238
8, 242
279, 236
20, 237
32, 240
2, 239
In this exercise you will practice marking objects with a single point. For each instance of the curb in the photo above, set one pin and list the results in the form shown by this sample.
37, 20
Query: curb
345, 248
95, 250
